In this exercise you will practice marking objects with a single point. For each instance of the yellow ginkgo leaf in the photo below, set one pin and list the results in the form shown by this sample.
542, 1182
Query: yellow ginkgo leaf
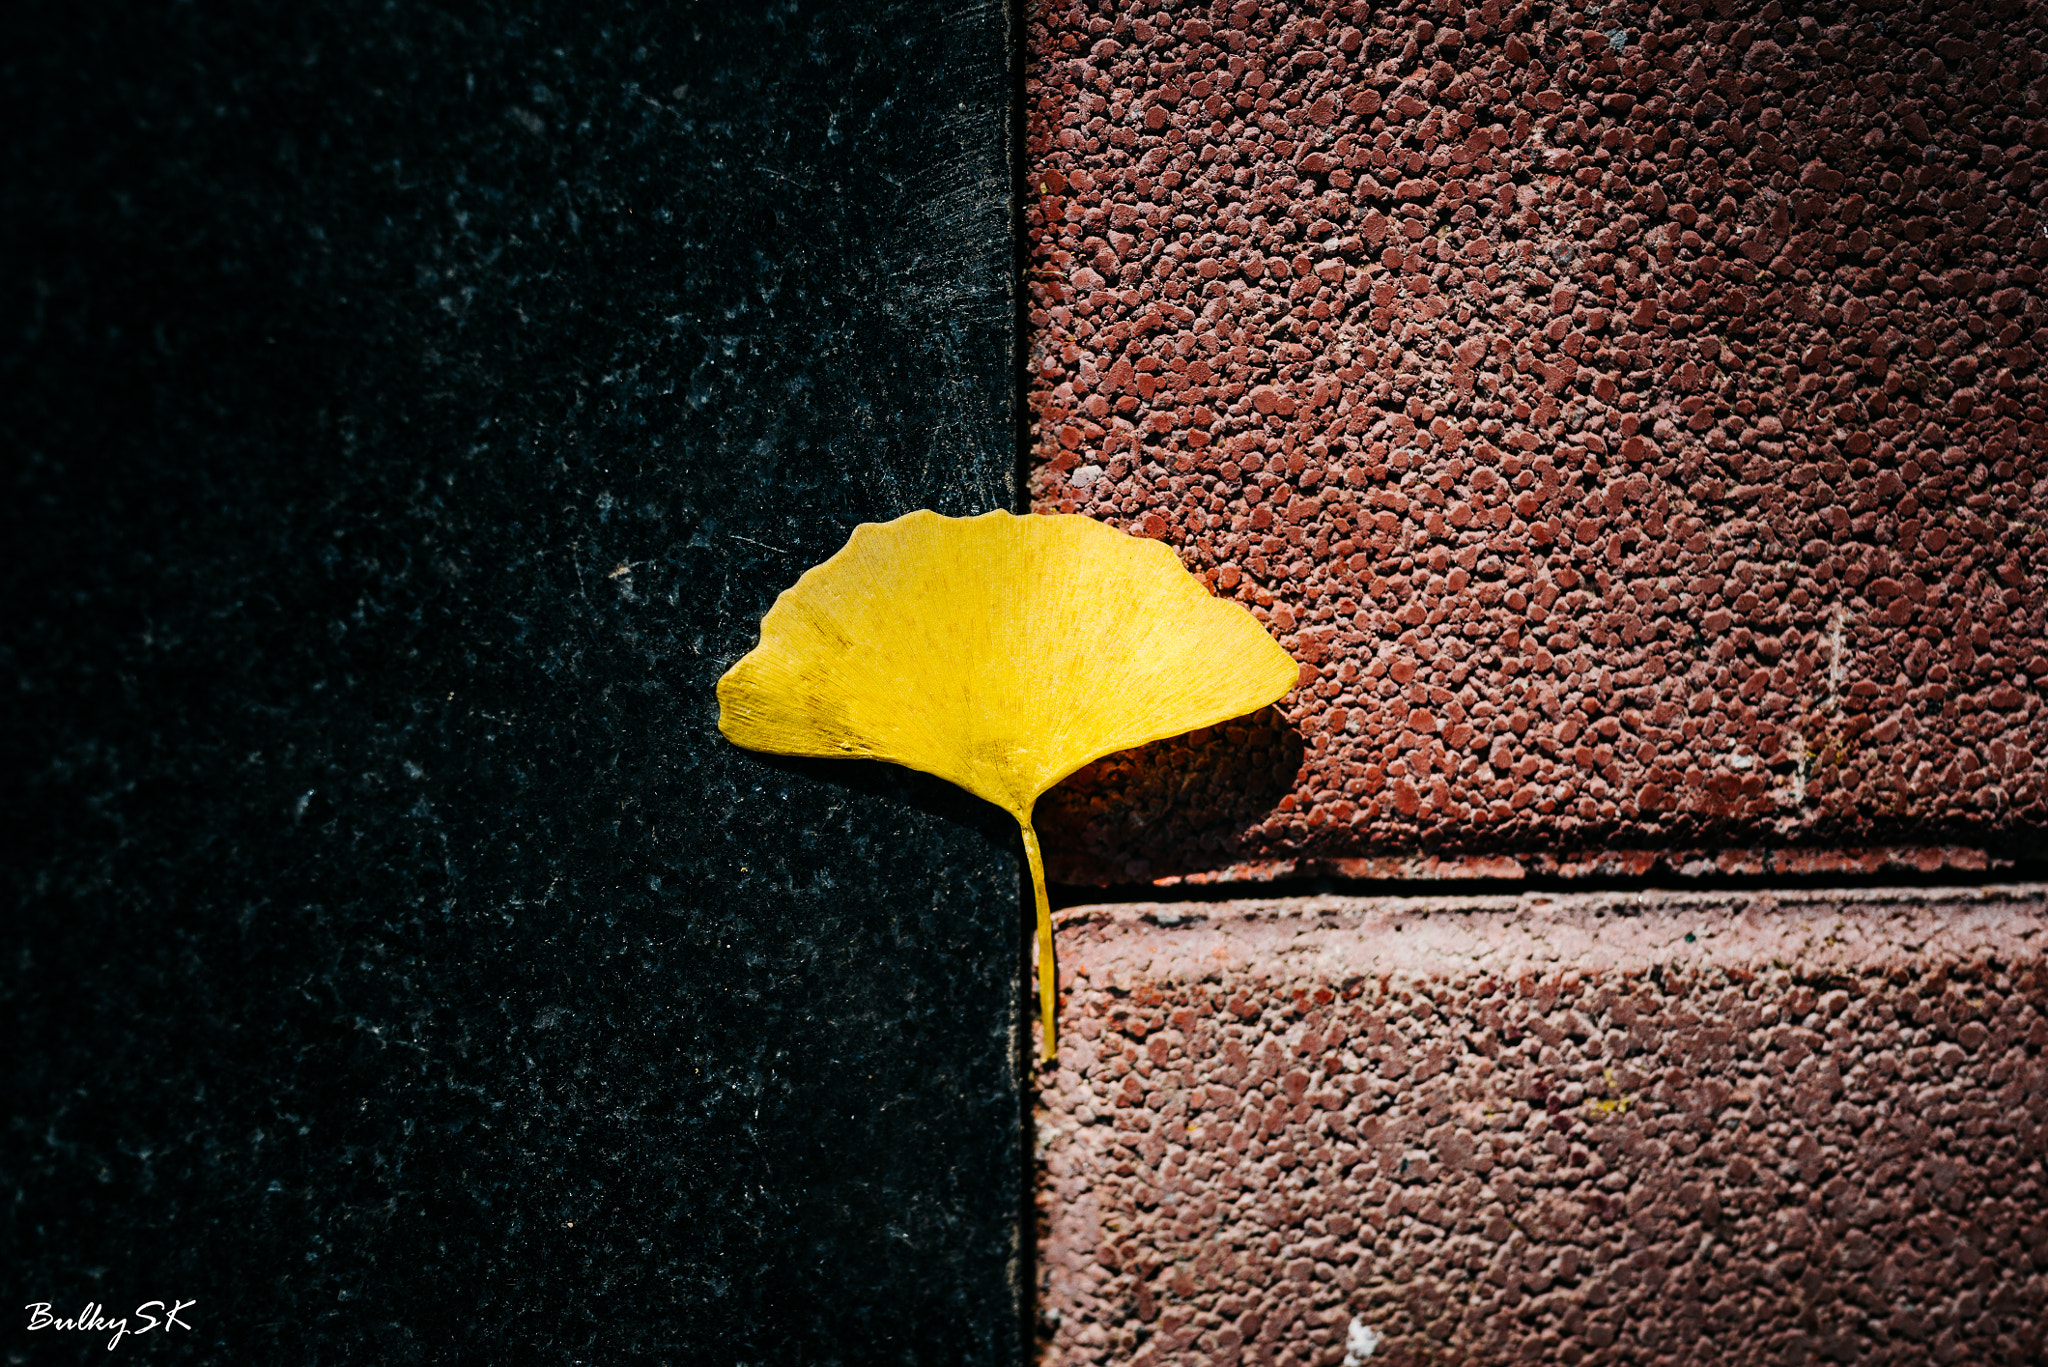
1001, 653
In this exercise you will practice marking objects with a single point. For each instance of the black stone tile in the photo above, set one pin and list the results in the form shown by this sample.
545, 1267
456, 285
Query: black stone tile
410, 413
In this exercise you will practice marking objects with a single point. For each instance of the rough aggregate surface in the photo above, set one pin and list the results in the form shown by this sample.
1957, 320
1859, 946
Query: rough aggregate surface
1629, 416
1667, 1128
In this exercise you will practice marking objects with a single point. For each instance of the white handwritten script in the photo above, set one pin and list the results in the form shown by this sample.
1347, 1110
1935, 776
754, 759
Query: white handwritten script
149, 1315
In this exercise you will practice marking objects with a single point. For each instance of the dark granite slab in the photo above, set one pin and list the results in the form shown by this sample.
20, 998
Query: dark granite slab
411, 411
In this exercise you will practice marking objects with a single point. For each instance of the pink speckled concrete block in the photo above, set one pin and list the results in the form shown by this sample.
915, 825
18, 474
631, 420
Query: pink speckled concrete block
1643, 1128
1631, 416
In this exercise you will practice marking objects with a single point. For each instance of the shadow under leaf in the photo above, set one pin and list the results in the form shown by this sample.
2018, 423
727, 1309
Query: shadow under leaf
911, 788
1176, 806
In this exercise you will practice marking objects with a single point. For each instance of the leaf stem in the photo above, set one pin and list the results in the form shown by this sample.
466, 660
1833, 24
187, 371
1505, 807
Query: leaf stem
1048, 968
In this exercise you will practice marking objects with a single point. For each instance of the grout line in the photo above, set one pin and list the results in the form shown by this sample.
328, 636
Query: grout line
1065, 895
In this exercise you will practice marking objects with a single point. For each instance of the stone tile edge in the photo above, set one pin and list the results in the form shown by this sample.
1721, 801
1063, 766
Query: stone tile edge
1808, 931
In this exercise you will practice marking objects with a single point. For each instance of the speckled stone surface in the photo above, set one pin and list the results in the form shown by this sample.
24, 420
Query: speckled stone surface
1678, 1129
410, 412
1631, 416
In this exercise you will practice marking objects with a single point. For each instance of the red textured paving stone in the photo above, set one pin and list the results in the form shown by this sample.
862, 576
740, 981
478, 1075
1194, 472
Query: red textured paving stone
1633, 422
1727, 1129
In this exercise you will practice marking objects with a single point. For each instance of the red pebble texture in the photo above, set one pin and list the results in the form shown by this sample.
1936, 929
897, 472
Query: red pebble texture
1630, 417
1685, 1130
